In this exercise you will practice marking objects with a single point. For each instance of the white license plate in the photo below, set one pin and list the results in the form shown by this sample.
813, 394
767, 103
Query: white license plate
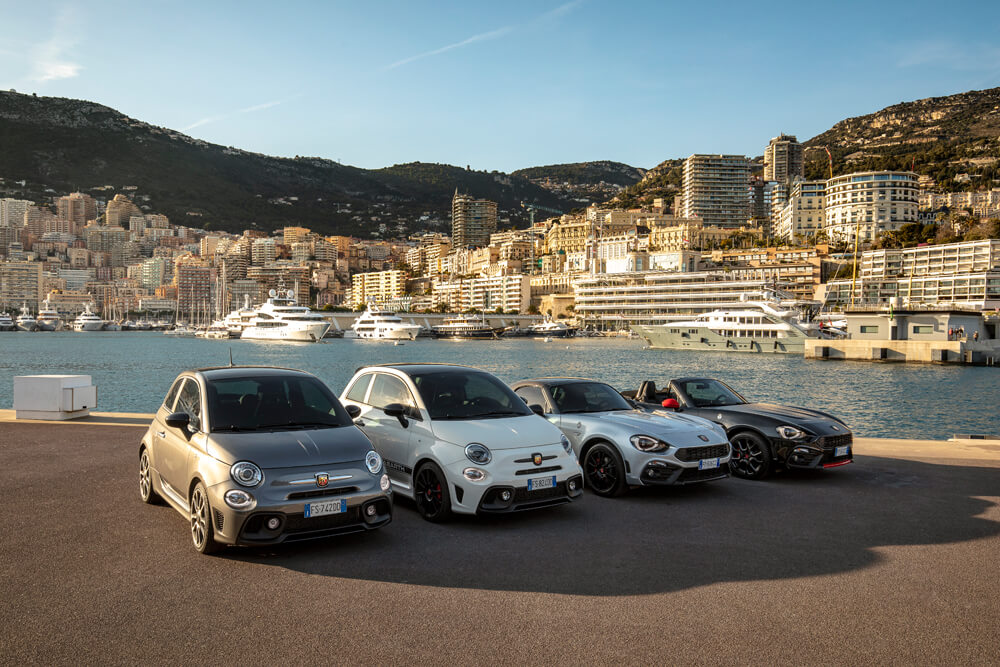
708, 464
842, 451
541, 483
325, 507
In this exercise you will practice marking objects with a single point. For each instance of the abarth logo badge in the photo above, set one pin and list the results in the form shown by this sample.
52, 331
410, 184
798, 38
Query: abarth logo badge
536, 459
322, 479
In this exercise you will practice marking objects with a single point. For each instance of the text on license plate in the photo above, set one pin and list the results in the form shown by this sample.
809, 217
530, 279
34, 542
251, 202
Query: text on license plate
325, 507
842, 451
708, 464
541, 483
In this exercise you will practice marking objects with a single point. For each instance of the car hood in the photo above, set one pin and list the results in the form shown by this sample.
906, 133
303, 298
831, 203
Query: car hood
290, 449
653, 423
814, 420
505, 433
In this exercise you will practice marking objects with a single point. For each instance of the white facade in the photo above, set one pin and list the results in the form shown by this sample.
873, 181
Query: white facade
804, 212
864, 204
717, 189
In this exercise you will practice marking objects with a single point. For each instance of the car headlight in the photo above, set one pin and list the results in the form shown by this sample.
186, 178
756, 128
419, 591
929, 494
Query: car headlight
474, 474
374, 462
238, 499
567, 445
790, 432
645, 443
245, 473
384, 483
478, 453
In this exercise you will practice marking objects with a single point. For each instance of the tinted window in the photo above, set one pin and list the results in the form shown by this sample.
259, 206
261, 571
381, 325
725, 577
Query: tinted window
237, 404
531, 395
704, 393
168, 402
472, 395
389, 389
359, 388
189, 401
587, 397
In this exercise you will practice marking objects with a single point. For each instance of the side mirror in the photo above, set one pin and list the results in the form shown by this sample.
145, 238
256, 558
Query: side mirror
353, 411
537, 409
397, 410
181, 420
671, 404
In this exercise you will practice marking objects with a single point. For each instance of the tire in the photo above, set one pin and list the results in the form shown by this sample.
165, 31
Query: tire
604, 471
202, 530
751, 457
146, 493
430, 490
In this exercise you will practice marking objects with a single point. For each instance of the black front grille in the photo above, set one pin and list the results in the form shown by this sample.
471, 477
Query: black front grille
695, 475
531, 460
521, 494
688, 454
831, 441
298, 523
322, 493
534, 471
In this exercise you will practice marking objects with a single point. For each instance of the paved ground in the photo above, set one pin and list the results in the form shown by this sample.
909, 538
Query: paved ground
884, 561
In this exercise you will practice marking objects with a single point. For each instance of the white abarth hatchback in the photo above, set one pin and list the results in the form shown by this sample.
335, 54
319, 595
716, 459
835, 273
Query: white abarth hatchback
457, 439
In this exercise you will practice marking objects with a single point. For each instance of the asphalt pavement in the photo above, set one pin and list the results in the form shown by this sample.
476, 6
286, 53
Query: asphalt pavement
887, 560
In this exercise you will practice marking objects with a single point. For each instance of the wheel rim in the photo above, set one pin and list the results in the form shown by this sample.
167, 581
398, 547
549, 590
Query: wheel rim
602, 470
145, 482
430, 495
199, 518
748, 457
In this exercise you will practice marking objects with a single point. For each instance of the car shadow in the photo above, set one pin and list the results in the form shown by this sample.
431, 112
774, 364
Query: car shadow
656, 540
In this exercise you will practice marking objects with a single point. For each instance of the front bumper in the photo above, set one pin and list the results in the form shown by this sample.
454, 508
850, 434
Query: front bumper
821, 452
501, 499
683, 466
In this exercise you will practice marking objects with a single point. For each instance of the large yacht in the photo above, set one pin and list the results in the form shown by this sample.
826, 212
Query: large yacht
26, 321
551, 329
49, 318
6, 323
238, 320
282, 319
382, 324
88, 321
465, 326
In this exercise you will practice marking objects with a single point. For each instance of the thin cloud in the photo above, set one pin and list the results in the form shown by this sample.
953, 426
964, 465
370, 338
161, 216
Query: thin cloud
482, 37
954, 55
223, 116
261, 107
561, 10
50, 61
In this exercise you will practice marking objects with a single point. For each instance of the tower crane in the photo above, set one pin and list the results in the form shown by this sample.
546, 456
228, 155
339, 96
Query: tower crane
531, 208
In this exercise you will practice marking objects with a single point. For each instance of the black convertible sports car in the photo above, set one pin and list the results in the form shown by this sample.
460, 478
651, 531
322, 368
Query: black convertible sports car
763, 435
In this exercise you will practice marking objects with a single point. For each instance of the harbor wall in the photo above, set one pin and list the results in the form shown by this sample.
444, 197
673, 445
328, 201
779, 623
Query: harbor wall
914, 351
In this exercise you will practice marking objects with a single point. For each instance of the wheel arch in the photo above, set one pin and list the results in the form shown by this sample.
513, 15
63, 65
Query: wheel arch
596, 439
744, 428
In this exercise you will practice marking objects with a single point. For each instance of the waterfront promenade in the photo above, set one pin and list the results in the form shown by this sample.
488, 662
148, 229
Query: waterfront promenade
892, 560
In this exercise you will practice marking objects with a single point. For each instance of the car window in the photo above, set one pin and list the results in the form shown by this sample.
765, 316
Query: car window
531, 395
467, 395
168, 402
359, 388
587, 397
269, 402
704, 393
388, 389
189, 401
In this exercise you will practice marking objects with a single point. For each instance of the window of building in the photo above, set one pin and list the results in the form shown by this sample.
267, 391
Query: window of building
923, 329
869, 328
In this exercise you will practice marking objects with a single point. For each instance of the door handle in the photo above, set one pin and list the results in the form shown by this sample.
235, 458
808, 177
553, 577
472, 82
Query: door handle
161, 434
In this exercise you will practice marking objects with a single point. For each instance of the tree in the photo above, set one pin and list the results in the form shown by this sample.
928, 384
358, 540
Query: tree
532, 309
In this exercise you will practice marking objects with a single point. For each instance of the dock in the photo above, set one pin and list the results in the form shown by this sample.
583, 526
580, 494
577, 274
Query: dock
914, 351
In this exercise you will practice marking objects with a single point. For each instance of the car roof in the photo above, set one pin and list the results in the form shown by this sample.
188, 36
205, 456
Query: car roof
413, 367
553, 381
227, 372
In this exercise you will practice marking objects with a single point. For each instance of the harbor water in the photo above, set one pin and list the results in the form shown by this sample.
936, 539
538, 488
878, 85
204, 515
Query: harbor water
133, 371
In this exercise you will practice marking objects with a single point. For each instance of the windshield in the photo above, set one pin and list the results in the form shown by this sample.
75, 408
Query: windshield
587, 397
457, 395
705, 393
270, 402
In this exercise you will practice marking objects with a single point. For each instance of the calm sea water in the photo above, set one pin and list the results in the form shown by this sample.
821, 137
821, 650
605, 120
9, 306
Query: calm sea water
133, 370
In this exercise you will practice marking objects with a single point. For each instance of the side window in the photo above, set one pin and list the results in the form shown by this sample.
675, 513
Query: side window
359, 389
532, 395
189, 401
388, 389
168, 402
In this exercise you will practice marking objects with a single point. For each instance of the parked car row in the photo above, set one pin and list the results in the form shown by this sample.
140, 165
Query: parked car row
257, 456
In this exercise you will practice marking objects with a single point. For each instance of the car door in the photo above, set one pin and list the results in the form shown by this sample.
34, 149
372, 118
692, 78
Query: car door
175, 443
567, 400
390, 438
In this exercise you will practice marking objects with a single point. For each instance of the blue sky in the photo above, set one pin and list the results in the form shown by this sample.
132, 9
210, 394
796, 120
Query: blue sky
497, 85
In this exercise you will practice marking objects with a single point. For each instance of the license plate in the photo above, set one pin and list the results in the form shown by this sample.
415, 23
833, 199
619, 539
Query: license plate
708, 464
541, 483
842, 451
325, 507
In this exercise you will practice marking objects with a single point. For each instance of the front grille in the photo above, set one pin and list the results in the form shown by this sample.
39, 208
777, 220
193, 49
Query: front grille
322, 493
220, 519
695, 475
298, 523
831, 441
534, 471
688, 454
530, 460
522, 494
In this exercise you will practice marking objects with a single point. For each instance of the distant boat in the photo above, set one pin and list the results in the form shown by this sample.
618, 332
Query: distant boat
26, 321
88, 321
6, 323
550, 328
49, 318
382, 325
466, 326
282, 319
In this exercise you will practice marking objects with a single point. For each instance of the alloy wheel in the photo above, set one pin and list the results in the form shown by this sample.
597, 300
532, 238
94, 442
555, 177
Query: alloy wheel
199, 518
748, 457
602, 470
428, 492
145, 479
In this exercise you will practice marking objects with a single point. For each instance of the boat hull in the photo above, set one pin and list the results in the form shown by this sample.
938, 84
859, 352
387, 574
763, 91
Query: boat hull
309, 333
49, 325
705, 339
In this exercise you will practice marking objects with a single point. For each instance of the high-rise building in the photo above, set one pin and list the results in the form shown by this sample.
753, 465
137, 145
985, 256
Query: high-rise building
717, 189
194, 288
21, 282
263, 251
78, 208
119, 211
802, 216
12, 212
472, 221
783, 159
377, 287
864, 204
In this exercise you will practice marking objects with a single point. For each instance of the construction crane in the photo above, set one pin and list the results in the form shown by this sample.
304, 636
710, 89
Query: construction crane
531, 208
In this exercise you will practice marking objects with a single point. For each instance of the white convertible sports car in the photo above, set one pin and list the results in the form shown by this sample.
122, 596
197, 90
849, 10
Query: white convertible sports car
620, 446
457, 439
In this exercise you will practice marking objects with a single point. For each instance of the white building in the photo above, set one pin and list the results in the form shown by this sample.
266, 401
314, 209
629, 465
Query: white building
864, 204
803, 215
717, 189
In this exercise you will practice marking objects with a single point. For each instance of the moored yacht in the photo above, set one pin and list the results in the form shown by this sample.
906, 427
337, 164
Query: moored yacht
382, 324
26, 321
282, 319
551, 329
465, 326
88, 321
49, 318
6, 323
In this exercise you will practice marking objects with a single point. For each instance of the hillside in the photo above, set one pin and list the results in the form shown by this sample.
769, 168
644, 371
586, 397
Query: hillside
52, 146
584, 181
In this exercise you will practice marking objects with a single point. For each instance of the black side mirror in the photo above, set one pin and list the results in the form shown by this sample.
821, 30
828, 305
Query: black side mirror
178, 420
397, 410
537, 409
353, 411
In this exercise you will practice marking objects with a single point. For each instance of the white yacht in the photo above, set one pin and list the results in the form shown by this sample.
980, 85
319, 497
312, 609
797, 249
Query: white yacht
26, 321
238, 320
49, 318
282, 319
382, 324
465, 326
551, 329
88, 321
6, 323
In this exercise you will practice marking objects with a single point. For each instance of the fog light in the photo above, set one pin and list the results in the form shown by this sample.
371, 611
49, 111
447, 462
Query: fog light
572, 485
474, 474
238, 500
273, 523
505, 496
384, 482
370, 510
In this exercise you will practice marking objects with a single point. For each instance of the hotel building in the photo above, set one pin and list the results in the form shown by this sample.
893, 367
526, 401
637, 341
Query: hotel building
864, 204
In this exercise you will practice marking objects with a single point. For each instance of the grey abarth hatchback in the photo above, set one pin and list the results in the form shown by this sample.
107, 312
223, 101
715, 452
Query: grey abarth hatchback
255, 456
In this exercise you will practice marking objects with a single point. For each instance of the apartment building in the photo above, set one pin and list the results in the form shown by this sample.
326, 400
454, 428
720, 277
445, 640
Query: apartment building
12, 211
865, 204
717, 190
20, 283
783, 159
472, 221
377, 287
803, 215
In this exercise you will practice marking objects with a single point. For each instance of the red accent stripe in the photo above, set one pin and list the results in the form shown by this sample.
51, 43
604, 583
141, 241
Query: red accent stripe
838, 464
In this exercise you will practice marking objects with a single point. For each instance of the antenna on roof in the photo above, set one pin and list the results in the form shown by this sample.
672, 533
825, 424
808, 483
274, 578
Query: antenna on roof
230, 357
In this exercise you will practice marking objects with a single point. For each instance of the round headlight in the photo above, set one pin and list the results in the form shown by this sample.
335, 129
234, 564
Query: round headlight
478, 453
374, 462
245, 473
790, 432
645, 443
384, 483
567, 445
238, 499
